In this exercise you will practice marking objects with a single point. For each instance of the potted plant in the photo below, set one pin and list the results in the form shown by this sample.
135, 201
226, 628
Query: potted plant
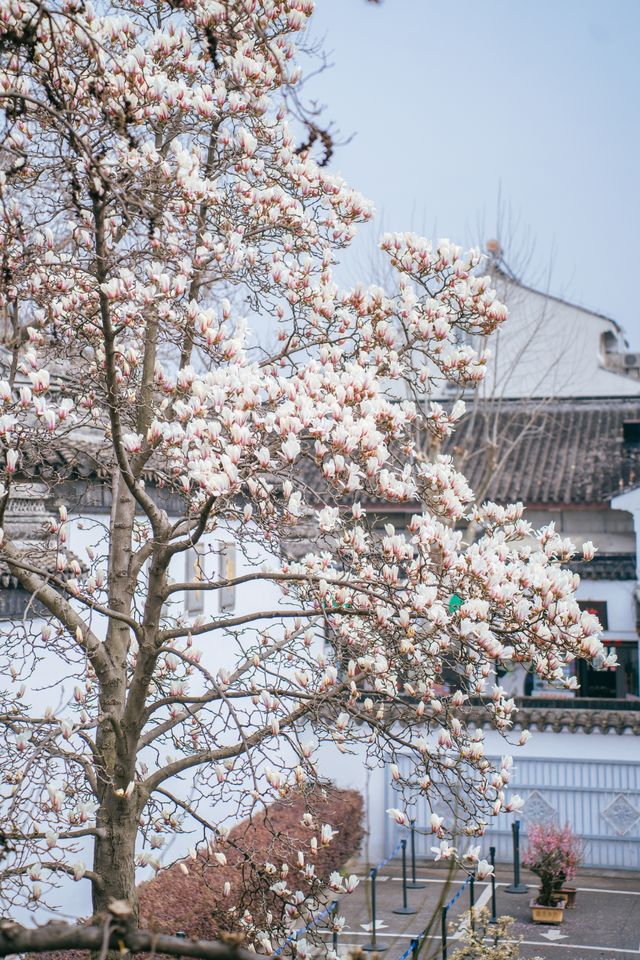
553, 854
572, 849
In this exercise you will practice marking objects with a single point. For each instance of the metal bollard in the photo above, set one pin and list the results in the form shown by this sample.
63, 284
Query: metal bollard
472, 902
415, 884
516, 886
334, 938
492, 860
373, 947
405, 908
443, 931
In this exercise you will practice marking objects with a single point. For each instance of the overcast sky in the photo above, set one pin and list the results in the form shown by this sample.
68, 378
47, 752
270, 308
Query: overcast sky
452, 103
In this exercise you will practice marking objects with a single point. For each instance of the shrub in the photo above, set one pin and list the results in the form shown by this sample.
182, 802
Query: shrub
259, 852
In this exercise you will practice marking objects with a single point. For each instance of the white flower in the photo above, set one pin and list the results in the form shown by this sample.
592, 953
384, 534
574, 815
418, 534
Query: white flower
328, 518
291, 449
327, 834
399, 817
444, 851
472, 855
132, 442
435, 822
484, 870
302, 948
350, 883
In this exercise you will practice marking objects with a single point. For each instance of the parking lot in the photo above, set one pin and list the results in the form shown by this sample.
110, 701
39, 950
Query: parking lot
605, 922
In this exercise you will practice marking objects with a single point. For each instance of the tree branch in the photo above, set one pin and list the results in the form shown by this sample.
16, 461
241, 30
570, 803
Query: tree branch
224, 624
16, 939
60, 608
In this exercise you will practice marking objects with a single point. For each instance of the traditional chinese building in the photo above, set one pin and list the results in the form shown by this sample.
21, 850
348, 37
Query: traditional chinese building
557, 426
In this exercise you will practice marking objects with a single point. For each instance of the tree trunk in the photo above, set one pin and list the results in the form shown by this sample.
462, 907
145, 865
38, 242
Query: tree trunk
117, 817
114, 854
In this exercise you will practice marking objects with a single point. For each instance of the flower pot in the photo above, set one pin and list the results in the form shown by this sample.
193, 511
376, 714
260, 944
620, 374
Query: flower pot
552, 914
569, 894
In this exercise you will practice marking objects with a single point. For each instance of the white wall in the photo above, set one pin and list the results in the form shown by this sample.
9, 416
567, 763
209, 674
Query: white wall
350, 772
573, 746
621, 608
550, 348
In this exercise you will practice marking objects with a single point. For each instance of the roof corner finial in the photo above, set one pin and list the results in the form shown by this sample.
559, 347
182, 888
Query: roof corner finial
494, 249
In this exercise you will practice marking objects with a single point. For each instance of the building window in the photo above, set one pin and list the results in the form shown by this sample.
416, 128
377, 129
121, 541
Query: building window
598, 608
227, 571
619, 684
631, 434
194, 573
608, 342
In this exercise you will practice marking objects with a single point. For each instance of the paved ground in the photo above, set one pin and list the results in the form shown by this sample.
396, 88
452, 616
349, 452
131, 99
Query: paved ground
605, 922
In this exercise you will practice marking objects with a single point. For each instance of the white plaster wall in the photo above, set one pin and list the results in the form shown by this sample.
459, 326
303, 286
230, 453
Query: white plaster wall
620, 598
572, 746
256, 595
350, 772
550, 348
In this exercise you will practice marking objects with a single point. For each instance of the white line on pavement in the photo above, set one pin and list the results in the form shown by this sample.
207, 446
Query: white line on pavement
480, 902
621, 893
624, 893
529, 943
578, 946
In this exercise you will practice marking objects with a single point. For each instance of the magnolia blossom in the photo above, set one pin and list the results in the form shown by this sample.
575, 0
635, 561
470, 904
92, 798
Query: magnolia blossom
444, 852
484, 870
340, 884
399, 816
435, 822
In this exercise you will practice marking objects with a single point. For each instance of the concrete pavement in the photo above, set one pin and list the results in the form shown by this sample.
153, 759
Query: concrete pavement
604, 925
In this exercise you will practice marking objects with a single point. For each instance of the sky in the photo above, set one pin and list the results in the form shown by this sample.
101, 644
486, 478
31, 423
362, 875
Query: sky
458, 109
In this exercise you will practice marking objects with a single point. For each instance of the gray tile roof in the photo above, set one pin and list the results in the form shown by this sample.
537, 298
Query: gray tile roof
575, 717
607, 566
566, 451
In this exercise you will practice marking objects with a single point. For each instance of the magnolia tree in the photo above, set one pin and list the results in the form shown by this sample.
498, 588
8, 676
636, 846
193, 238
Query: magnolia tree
156, 209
